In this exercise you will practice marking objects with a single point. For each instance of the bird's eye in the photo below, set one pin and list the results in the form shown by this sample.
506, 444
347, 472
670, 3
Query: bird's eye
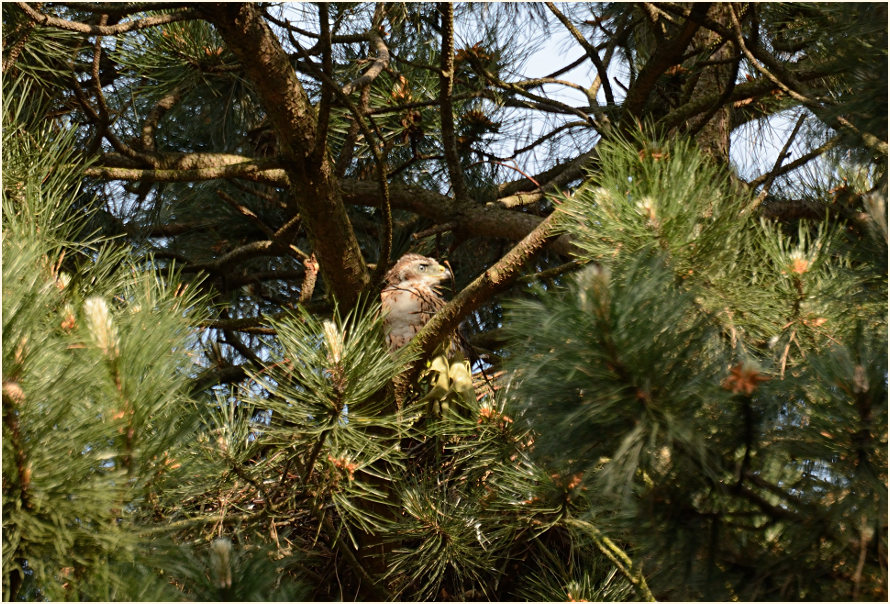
422, 267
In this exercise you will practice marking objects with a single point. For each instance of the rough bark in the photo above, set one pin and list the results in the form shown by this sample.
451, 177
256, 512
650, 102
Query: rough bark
313, 187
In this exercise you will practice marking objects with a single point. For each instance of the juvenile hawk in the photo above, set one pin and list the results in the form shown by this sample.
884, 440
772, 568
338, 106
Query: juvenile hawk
411, 297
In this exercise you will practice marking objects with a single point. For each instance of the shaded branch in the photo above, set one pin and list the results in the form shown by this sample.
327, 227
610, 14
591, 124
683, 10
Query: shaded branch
486, 221
667, 55
164, 104
214, 377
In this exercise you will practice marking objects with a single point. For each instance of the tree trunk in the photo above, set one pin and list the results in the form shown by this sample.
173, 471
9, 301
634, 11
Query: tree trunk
712, 136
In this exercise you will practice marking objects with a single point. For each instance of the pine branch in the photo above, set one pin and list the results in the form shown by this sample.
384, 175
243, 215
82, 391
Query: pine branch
618, 557
784, 79
185, 14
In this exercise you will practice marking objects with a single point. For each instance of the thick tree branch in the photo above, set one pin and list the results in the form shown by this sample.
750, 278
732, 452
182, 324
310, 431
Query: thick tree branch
379, 160
122, 9
670, 53
486, 221
313, 185
496, 279
255, 171
107, 30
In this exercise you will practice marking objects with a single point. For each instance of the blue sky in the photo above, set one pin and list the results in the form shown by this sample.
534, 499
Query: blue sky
754, 147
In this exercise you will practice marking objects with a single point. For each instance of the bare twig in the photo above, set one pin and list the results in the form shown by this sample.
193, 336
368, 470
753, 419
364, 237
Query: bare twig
591, 51
770, 176
540, 102
512, 167
254, 249
420, 104
327, 65
536, 82
538, 141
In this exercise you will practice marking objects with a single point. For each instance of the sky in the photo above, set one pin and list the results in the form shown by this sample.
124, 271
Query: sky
753, 150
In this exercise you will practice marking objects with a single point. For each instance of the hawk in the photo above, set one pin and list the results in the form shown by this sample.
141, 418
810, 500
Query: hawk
411, 297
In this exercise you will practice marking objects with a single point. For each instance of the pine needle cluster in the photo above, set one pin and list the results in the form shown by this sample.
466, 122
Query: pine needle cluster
721, 388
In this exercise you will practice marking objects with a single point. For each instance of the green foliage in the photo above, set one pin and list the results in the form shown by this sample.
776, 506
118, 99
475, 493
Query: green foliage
699, 413
95, 374
715, 432
332, 410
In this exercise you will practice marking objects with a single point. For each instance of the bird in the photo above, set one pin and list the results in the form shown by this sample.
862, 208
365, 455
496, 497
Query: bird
411, 297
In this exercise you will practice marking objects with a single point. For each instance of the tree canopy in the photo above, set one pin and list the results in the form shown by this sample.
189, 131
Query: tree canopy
669, 259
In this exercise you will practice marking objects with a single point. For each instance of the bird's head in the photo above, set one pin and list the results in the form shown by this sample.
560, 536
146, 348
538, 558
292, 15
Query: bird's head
414, 267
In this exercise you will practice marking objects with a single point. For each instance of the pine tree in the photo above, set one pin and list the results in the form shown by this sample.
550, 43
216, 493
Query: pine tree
679, 383
718, 392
